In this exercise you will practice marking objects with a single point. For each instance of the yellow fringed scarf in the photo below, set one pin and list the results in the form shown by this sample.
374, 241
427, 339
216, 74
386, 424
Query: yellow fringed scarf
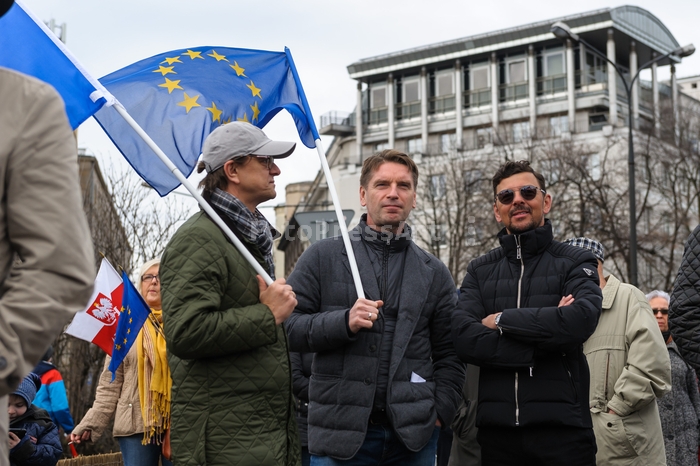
153, 378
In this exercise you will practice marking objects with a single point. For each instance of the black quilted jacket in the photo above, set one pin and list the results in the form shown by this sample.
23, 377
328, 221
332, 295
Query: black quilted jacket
534, 372
684, 310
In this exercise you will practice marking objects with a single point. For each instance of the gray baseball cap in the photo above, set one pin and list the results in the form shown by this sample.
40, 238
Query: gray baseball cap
239, 139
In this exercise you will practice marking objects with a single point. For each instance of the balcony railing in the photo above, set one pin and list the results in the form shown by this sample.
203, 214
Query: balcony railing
406, 110
337, 118
442, 104
477, 98
378, 115
549, 85
512, 92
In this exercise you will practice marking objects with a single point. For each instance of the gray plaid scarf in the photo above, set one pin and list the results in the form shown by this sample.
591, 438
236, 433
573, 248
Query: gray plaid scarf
252, 225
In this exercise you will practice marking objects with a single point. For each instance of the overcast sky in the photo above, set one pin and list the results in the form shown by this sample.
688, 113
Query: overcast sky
324, 37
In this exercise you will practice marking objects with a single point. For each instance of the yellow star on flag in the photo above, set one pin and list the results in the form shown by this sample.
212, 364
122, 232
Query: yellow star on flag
125, 340
128, 331
119, 347
172, 60
131, 319
239, 71
171, 85
189, 102
192, 54
245, 118
256, 110
217, 56
215, 113
163, 70
227, 121
253, 89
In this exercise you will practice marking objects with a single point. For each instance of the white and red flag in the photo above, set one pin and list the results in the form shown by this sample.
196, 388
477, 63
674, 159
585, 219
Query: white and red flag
98, 322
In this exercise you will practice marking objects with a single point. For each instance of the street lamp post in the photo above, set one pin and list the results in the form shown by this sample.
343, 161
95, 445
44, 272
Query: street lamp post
562, 31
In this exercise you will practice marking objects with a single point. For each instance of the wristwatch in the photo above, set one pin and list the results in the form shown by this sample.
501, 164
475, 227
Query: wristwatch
497, 320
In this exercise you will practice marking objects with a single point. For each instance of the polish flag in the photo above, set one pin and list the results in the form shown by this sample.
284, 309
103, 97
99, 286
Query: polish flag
98, 322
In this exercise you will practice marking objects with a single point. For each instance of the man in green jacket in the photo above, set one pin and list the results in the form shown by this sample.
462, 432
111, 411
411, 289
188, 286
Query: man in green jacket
629, 370
227, 349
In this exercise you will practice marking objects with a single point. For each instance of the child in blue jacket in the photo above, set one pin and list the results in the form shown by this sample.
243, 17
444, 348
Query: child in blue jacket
40, 445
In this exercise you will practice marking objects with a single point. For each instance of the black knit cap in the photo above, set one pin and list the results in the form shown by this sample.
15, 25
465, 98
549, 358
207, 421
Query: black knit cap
5, 5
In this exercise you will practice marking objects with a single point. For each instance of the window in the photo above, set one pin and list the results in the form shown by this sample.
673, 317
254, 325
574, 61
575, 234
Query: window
415, 145
479, 78
447, 142
558, 125
516, 72
483, 137
472, 180
554, 64
411, 90
444, 83
438, 186
378, 97
380, 146
593, 165
694, 86
438, 236
596, 69
515, 86
521, 131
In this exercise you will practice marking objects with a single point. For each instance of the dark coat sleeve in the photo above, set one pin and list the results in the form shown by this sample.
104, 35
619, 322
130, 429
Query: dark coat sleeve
47, 450
448, 370
310, 328
477, 344
300, 377
684, 309
554, 328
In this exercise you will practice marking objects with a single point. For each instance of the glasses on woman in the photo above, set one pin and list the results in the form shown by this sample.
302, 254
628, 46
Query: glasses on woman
661, 310
149, 278
528, 193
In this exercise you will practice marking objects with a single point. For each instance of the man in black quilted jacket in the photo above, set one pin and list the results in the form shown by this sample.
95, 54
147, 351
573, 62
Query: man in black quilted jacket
684, 309
524, 311
385, 376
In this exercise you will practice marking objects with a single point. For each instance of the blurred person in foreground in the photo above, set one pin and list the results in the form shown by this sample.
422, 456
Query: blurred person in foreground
227, 348
139, 398
680, 409
629, 368
46, 260
525, 309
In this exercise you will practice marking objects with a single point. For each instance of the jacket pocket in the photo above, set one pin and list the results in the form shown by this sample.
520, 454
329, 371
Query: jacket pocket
124, 420
617, 436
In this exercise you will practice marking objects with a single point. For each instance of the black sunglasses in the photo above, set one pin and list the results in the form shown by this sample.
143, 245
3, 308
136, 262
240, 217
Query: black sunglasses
528, 193
661, 310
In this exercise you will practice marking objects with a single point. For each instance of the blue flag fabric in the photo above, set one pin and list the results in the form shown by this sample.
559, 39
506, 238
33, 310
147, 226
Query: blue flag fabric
179, 97
135, 311
27, 46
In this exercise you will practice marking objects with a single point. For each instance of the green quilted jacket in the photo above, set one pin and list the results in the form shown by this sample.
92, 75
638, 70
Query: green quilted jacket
232, 393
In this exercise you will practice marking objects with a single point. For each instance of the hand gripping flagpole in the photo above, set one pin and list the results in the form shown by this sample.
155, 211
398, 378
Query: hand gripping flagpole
185, 182
329, 179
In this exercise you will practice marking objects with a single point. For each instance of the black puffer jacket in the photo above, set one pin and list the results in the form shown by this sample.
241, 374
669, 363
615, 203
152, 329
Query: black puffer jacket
534, 372
425, 376
684, 309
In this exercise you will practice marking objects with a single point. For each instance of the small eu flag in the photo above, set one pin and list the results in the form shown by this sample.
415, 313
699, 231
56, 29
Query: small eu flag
28, 46
179, 97
134, 314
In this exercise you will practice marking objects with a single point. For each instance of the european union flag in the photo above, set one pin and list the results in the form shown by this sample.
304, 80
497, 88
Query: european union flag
179, 97
27, 46
134, 314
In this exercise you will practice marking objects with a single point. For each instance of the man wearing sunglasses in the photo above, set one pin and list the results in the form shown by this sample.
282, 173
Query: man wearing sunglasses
629, 369
524, 311
232, 401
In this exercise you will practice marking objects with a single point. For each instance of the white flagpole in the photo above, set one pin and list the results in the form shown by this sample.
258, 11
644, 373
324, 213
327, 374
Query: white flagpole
185, 182
341, 220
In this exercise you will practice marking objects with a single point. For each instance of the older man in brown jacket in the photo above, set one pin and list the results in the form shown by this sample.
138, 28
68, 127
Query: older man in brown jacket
46, 257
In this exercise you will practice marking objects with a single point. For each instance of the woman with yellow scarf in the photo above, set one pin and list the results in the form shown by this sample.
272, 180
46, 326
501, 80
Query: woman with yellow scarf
139, 397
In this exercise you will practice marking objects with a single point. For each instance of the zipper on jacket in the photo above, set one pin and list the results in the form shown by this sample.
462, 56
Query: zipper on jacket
385, 270
605, 380
571, 377
517, 405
